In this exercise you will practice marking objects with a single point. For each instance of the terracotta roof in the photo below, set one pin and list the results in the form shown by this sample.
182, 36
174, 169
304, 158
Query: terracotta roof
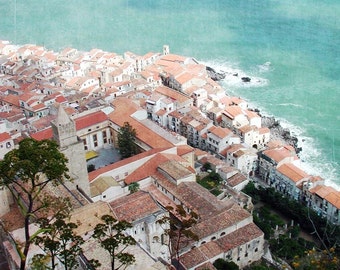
43, 122
247, 128
322, 191
4, 136
39, 107
12, 99
185, 77
334, 199
94, 174
135, 206
264, 130
212, 160
184, 149
13, 219
217, 222
175, 170
236, 179
60, 99
279, 154
202, 254
173, 94
161, 112
292, 172
124, 108
148, 168
252, 114
43, 134
232, 111
90, 120
220, 131
200, 199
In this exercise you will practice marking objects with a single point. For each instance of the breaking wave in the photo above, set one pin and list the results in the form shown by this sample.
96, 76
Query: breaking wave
312, 160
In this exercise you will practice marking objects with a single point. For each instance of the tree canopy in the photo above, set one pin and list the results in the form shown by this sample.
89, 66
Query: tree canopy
178, 227
26, 171
58, 240
113, 238
127, 141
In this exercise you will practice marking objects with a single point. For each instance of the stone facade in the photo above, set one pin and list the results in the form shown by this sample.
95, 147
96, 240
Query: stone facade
64, 132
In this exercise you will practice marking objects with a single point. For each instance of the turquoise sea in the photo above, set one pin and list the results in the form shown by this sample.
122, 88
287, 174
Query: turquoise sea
298, 40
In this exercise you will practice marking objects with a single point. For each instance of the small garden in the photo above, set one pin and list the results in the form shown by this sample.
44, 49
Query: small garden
212, 181
285, 241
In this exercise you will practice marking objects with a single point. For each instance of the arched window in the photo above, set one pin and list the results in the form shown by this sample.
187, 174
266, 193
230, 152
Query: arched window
155, 239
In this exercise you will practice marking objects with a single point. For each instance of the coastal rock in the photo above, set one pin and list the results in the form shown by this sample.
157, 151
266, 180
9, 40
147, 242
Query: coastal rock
280, 133
245, 79
214, 75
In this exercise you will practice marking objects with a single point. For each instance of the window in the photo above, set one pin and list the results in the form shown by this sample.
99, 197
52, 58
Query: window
155, 239
95, 140
104, 136
162, 239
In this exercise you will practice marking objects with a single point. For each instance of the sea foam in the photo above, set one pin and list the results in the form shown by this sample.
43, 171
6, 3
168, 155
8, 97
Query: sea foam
234, 75
312, 160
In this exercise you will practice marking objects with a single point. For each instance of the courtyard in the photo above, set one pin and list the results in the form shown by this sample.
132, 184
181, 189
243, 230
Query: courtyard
104, 157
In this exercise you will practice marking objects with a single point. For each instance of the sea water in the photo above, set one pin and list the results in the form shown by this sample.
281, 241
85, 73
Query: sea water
289, 48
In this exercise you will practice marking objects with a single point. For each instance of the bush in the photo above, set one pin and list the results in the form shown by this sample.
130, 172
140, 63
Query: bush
91, 167
221, 264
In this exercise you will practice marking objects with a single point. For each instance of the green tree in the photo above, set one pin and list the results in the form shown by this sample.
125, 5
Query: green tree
127, 141
91, 167
112, 237
133, 187
324, 260
26, 171
206, 166
59, 240
221, 264
39, 262
178, 227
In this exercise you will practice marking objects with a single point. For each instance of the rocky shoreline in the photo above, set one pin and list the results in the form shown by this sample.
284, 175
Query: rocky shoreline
279, 133
276, 130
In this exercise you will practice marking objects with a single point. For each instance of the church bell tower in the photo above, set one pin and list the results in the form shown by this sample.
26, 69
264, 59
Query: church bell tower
64, 133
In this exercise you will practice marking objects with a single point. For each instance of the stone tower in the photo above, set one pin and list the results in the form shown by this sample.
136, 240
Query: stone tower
64, 133
166, 49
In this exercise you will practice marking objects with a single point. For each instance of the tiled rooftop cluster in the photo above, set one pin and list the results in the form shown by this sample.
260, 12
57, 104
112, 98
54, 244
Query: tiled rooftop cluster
183, 120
